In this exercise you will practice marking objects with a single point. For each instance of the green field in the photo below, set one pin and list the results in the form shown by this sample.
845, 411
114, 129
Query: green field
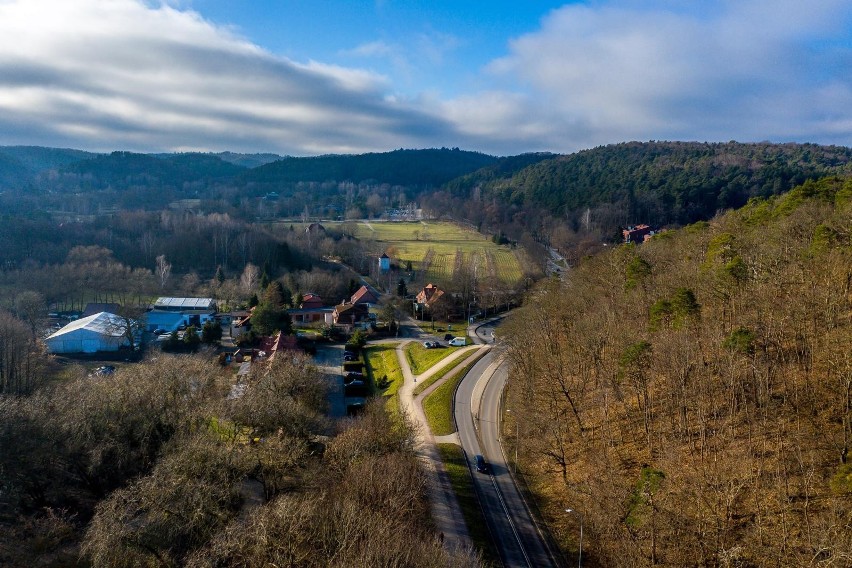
438, 249
421, 359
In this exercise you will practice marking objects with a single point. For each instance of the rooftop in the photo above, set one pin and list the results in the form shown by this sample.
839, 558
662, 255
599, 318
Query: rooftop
165, 303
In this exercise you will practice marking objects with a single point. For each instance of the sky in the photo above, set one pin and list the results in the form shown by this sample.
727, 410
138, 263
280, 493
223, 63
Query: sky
300, 77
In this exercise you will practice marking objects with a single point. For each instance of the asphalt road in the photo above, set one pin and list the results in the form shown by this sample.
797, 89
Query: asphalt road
477, 409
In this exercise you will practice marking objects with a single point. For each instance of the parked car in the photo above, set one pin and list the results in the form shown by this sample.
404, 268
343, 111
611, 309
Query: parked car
448, 337
428, 344
158, 331
355, 388
349, 377
458, 341
350, 356
482, 465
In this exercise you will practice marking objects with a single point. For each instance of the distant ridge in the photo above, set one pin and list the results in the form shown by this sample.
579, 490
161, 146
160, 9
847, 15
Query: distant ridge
413, 168
658, 182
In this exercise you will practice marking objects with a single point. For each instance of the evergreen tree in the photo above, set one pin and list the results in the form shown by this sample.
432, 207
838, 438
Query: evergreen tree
264, 280
211, 332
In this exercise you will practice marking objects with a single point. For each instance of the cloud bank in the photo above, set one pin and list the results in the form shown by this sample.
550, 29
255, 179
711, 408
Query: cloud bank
125, 74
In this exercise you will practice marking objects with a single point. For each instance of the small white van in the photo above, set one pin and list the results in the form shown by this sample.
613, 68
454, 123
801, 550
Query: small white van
458, 341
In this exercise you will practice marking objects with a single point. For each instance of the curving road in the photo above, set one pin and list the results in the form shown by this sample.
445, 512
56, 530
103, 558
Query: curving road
477, 414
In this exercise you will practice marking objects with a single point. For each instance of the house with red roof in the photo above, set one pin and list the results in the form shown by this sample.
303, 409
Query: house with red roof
364, 295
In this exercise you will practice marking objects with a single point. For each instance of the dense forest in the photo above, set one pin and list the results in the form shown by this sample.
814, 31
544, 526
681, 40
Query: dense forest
563, 199
691, 397
410, 168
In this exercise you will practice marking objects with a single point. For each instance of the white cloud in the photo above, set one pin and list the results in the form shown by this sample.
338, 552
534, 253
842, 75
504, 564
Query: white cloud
108, 74
129, 74
746, 69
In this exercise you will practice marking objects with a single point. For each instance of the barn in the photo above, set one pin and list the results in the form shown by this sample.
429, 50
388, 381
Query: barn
99, 332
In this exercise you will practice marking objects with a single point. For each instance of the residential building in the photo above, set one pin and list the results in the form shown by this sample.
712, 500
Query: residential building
170, 313
365, 295
636, 234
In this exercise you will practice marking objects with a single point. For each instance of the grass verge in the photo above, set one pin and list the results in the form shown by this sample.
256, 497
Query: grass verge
421, 359
438, 406
383, 368
384, 373
462, 484
423, 385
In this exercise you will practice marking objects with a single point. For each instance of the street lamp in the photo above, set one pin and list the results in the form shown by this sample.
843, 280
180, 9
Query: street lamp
580, 555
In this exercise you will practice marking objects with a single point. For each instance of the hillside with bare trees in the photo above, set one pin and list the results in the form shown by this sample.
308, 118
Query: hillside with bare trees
156, 465
691, 398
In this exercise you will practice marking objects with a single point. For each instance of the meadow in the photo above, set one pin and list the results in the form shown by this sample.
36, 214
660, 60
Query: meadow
437, 250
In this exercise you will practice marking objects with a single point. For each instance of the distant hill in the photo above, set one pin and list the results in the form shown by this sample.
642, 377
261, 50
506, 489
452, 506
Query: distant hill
421, 168
38, 158
659, 182
502, 168
120, 170
13, 174
20, 164
248, 160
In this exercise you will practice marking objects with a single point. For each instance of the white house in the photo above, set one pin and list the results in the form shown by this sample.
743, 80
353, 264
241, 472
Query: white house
170, 313
99, 332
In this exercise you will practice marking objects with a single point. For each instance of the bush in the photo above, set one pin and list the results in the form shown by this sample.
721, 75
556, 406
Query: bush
358, 339
211, 332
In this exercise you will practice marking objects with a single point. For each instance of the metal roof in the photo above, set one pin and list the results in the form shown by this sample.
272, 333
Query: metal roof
103, 323
184, 303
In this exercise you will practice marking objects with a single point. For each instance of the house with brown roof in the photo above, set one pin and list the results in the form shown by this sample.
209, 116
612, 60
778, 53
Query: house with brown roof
636, 234
311, 310
350, 314
429, 295
311, 300
364, 295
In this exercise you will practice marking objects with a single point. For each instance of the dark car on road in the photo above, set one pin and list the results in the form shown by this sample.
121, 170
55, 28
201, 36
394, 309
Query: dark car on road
482, 465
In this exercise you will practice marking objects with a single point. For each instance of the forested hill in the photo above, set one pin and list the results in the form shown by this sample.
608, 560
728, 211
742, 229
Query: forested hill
412, 168
20, 164
120, 170
691, 396
659, 182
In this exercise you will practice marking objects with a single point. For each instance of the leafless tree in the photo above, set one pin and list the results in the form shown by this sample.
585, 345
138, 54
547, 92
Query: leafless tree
163, 270
250, 278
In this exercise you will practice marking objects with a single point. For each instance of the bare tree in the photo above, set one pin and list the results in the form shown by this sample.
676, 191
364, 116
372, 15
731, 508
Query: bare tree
163, 271
250, 278
31, 308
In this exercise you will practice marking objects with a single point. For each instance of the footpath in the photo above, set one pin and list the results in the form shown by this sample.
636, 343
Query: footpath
446, 512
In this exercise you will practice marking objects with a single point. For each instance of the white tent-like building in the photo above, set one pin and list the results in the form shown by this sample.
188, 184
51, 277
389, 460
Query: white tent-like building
99, 332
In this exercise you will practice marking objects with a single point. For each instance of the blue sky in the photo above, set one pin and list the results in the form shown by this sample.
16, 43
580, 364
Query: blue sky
306, 78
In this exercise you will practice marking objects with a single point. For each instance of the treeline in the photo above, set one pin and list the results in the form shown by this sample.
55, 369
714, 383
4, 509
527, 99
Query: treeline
156, 465
690, 397
191, 242
411, 168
